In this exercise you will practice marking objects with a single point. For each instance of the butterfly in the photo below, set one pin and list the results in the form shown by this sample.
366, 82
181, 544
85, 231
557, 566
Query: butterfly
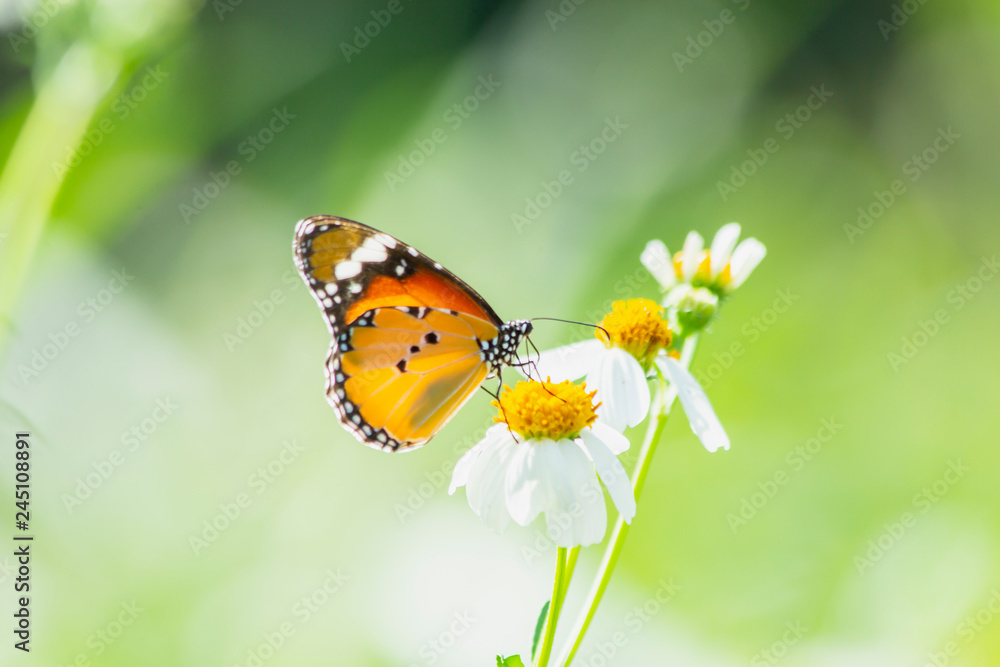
411, 341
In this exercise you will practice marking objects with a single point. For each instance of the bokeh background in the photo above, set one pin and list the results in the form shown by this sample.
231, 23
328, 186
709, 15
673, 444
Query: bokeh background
168, 363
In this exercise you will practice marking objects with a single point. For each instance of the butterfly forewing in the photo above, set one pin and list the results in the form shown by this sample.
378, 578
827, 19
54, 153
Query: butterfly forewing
411, 341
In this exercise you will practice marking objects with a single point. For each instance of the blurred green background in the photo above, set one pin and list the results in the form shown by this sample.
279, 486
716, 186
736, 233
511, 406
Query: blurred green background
168, 362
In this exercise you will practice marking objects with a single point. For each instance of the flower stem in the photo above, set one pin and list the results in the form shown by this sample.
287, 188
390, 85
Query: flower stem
664, 401
574, 553
553, 616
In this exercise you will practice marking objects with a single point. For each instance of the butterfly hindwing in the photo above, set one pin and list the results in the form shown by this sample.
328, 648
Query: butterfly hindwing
411, 341
398, 374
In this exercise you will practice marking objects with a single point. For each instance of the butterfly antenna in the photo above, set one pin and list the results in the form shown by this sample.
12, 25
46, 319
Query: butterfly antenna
582, 324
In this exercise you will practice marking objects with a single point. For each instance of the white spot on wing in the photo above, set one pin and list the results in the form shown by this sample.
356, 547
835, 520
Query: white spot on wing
365, 254
385, 240
346, 270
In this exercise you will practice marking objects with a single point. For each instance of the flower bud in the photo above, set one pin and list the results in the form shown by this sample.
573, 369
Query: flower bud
695, 308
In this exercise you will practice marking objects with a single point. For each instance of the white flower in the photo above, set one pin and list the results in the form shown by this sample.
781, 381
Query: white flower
514, 475
618, 371
620, 381
722, 268
616, 362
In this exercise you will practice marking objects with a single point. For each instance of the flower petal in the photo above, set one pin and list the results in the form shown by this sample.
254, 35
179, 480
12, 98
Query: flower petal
698, 408
485, 487
570, 362
722, 246
746, 257
621, 388
460, 476
611, 471
612, 439
691, 255
525, 485
584, 519
660, 264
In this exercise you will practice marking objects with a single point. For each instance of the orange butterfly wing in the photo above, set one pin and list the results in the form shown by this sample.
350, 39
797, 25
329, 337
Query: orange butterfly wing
411, 341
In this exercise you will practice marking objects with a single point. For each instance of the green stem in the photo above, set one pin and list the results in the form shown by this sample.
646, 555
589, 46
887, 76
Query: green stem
553, 616
54, 128
664, 400
574, 553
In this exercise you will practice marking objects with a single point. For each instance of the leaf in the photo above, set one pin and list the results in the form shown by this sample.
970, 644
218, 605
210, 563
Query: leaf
539, 626
512, 661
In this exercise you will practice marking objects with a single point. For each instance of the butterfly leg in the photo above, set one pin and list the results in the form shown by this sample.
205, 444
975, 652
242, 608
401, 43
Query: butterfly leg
499, 402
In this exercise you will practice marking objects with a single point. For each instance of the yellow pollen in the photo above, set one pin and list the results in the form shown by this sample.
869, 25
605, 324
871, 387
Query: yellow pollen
636, 327
546, 409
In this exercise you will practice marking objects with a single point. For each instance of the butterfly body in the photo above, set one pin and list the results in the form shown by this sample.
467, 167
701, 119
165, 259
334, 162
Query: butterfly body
411, 341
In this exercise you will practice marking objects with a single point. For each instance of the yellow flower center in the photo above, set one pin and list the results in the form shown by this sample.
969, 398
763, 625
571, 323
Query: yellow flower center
636, 327
703, 275
546, 409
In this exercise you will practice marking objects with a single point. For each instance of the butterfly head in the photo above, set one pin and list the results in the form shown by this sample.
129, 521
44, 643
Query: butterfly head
502, 350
